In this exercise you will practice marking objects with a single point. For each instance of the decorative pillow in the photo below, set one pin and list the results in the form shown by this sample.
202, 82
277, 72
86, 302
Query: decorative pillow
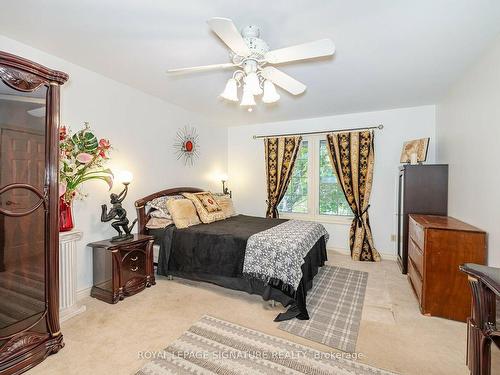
160, 206
157, 223
226, 203
183, 213
207, 207
160, 214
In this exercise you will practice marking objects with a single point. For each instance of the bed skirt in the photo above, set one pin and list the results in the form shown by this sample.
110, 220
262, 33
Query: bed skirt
296, 301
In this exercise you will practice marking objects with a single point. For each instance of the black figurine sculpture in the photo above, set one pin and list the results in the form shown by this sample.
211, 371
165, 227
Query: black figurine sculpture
120, 214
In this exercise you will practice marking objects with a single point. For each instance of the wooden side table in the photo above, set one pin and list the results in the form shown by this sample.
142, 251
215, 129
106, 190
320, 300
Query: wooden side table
122, 269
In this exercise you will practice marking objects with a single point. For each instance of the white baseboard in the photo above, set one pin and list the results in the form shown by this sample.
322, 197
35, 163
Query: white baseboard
83, 293
337, 250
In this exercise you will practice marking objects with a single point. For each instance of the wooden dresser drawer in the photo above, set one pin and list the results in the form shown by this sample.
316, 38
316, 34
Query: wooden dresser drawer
416, 232
416, 255
415, 280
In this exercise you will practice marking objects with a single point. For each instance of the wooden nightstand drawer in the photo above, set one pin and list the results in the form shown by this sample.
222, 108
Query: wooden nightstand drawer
122, 268
416, 256
416, 232
133, 271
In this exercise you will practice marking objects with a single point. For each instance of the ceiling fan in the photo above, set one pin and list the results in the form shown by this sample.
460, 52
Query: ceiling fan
253, 59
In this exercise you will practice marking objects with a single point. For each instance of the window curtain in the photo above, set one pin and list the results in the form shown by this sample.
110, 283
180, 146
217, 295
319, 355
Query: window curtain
280, 154
352, 158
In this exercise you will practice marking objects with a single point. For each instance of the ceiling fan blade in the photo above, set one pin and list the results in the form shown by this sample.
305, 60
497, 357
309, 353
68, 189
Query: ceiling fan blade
283, 80
229, 34
200, 68
311, 50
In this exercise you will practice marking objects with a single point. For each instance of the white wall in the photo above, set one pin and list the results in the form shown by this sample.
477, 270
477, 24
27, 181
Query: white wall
142, 130
468, 129
247, 171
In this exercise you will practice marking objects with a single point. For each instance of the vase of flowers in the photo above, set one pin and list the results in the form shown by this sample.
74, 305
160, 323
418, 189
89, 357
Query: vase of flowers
82, 158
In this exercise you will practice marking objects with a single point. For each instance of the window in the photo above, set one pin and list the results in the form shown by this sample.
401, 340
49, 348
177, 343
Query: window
296, 197
331, 197
314, 192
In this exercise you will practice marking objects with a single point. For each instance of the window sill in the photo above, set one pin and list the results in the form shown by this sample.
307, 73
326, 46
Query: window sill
341, 220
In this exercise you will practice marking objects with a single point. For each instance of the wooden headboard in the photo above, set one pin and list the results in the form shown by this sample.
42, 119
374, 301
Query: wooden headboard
140, 204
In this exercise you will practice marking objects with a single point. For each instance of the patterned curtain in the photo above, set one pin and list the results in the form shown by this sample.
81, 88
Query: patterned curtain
280, 159
352, 157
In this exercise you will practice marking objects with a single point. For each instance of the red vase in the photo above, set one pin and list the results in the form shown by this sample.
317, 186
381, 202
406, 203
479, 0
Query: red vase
65, 216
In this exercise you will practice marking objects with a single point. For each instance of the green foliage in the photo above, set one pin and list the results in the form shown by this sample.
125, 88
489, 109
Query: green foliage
295, 199
331, 196
85, 141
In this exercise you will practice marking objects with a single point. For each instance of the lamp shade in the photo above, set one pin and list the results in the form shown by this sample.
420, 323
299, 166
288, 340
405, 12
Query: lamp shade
252, 81
125, 177
270, 94
231, 90
247, 99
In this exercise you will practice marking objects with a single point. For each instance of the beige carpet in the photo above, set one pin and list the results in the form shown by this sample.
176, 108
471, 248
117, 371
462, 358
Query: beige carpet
215, 346
393, 335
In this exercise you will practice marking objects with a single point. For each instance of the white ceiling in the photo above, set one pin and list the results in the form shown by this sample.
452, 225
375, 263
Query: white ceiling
390, 53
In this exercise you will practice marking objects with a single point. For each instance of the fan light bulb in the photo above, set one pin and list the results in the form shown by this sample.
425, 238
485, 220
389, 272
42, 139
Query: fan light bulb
230, 91
252, 81
270, 94
247, 99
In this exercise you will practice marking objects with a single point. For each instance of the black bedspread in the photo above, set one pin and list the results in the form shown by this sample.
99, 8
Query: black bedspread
215, 253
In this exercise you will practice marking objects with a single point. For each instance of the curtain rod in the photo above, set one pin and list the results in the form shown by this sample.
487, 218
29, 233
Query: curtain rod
380, 127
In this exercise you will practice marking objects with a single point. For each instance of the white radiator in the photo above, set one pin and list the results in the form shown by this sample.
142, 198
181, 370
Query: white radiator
68, 306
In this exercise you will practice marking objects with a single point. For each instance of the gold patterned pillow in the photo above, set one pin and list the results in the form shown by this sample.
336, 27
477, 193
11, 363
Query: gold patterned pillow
226, 203
207, 207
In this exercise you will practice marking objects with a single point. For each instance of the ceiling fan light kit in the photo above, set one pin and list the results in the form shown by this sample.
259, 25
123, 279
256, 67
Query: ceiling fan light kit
251, 56
247, 99
230, 91
270, 93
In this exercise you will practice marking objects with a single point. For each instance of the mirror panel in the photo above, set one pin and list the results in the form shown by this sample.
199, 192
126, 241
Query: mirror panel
22, 238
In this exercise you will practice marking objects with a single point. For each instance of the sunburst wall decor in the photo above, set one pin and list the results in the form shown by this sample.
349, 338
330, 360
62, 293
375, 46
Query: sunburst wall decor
186, 145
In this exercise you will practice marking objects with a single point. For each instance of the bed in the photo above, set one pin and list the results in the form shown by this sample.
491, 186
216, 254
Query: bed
215, 253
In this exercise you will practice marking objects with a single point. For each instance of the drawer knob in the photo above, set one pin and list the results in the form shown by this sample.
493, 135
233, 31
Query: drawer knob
133, 259
133, 269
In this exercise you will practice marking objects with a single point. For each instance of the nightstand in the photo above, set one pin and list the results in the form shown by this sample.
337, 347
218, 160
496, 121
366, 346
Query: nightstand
122, 269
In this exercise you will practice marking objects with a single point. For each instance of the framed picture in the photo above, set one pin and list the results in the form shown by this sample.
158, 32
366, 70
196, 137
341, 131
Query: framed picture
415, 151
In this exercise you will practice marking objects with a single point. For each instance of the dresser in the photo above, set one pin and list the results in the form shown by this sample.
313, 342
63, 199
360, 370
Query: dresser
123, 268
437, 246
423, 189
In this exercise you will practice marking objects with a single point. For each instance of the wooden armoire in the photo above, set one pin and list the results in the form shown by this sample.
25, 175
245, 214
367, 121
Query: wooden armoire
29, 264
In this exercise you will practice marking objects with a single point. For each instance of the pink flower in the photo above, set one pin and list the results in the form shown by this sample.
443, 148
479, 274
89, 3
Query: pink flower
104, 144
84, 158
62, 188
62, 133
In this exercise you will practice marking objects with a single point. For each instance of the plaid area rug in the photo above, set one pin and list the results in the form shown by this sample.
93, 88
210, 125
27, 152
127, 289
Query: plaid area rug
334, 303
214, 346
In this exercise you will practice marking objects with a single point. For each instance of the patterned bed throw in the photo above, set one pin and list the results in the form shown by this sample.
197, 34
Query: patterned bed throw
278, 252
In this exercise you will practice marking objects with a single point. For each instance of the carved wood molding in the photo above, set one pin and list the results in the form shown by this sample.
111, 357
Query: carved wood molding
31, 73
21, 342
42, 199
19, 80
